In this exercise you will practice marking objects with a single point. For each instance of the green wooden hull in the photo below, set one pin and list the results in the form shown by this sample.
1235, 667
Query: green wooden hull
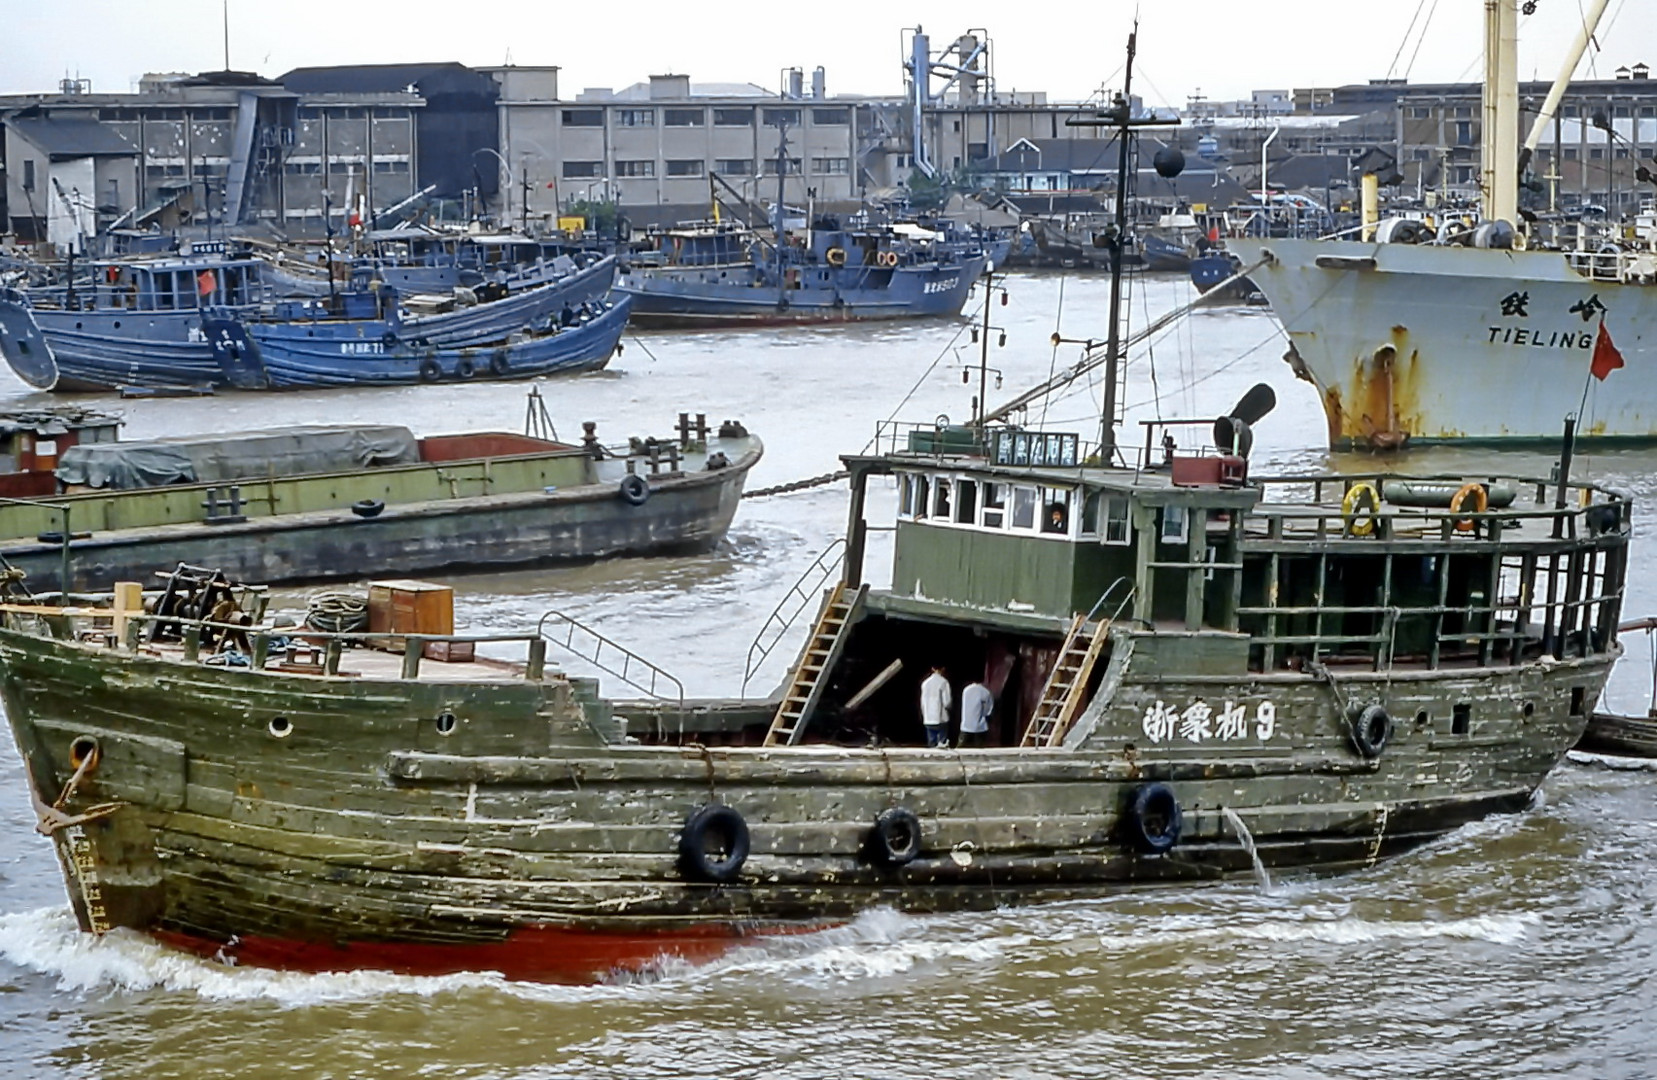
533, 839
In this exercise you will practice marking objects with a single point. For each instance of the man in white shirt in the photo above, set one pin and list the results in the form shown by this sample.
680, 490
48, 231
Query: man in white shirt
976, 704
936, 699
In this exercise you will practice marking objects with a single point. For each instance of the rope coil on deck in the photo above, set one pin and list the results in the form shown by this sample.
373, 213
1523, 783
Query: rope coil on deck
337, 613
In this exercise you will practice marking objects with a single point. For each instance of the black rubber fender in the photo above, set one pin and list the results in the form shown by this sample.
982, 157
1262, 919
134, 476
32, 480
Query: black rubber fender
895, 839
465, 368
635, 489
368, 508
713, 845
500, 365
430, 369
1371, 730
1153, 819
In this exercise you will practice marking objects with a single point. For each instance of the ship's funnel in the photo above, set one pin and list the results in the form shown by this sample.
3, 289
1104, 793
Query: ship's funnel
1233, 432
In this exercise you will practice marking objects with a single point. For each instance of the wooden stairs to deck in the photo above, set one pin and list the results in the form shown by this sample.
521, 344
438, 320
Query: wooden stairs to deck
807, 682
1062, 697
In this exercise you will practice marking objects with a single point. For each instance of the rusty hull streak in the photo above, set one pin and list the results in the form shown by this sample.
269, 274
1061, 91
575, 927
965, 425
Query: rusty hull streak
1385, 409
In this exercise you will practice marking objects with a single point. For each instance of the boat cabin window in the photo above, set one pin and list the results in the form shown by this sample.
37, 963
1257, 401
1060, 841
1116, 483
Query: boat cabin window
940, 499
921, 489
1090, 512
995, 505
966, 502
1024, 508
1055, 511
1116, 519
163, 291
1174, 521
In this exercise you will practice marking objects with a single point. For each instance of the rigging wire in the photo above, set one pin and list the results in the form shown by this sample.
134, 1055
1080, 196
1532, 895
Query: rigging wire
1053, 360
1405, 40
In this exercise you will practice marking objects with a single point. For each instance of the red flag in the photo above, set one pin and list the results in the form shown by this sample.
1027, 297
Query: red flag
1606, 357
207, 281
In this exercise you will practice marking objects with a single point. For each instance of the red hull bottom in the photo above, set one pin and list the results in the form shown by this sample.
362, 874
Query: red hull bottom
541, 954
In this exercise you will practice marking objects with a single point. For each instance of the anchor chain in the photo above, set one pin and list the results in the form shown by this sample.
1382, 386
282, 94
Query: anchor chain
50, 819
798, 485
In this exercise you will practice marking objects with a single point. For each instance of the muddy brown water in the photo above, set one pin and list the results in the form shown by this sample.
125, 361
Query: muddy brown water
1521, 946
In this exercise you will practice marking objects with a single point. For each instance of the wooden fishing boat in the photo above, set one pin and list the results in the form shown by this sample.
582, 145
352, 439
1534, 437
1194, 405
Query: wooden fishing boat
1626, 734
1190, 668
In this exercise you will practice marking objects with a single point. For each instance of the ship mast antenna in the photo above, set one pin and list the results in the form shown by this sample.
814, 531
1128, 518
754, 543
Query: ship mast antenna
1119, 117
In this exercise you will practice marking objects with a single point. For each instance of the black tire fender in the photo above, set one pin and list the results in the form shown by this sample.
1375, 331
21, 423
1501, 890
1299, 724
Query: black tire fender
430, 370
895, 839
368, 508
500, 365
713, 845
1371, 730
634, 490
465, 368
1153, 819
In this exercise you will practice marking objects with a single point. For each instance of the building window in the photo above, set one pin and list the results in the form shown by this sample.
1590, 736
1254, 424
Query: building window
685, 167
635, 168
831, 117
734, 167
28, 174
1419, 112
636, 117
831, 166
791, 166
1570, 153
683, 117
733, 118
1596, 153
581, 170
583, 117
775, 117
1464, 133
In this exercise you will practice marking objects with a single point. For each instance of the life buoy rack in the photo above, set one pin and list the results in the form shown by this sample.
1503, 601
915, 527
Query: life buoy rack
430, 370
1481, 503
1153, 819
895, 839
1370, 731
836, 256
634, 489
1360, 508
713, 845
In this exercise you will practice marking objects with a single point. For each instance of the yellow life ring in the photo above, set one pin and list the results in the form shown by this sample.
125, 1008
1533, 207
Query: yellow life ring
836, 256
888, 258
1481, 503
1361, 524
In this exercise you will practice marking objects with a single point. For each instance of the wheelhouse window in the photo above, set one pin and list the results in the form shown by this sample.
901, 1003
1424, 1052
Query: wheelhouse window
966, 502
1024, 508
1174, 524
1091, 505
995, 505
1055, 511
940, 499
920, 496
1116, 519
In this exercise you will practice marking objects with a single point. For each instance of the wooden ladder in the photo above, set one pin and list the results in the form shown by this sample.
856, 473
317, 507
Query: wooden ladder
806, 683
1061, 698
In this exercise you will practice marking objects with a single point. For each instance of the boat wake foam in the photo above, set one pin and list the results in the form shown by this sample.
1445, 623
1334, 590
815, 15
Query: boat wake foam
1612, 762
1495, 929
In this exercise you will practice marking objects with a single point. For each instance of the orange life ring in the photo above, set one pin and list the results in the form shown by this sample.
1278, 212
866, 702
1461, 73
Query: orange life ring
1481, 503
888, 258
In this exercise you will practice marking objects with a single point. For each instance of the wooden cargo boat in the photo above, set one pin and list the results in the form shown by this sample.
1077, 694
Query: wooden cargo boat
444, 502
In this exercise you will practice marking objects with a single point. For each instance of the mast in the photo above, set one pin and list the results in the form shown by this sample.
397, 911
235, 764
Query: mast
1117, 116
1499, 137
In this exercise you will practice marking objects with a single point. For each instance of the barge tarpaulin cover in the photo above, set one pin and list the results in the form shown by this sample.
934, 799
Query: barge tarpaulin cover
288, 451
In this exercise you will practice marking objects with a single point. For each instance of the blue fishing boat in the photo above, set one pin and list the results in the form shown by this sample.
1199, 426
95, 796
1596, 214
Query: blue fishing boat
828, 274
1212, 269
138, 323
367, 342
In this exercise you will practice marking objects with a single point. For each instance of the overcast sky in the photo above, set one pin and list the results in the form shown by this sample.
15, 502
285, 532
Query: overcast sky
1224, 48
